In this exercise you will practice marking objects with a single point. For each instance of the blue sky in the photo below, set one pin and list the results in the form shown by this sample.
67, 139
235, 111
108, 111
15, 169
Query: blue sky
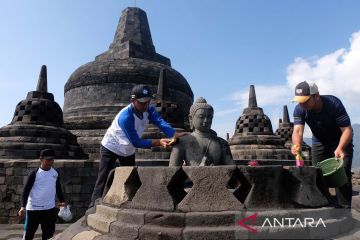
220, 46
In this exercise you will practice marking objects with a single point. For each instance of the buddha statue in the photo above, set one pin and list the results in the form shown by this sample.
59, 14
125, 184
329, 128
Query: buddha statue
202, 147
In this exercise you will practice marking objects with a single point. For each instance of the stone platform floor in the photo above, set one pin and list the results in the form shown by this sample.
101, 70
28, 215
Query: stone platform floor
15, 231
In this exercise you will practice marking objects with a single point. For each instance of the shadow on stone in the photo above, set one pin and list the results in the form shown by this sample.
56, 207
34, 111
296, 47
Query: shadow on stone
239, 185
177, 185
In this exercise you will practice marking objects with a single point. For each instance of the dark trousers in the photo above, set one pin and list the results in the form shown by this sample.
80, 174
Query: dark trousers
46, 218
107, 163
321, 152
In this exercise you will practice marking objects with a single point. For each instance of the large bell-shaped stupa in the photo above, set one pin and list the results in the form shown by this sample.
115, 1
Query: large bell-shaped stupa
98, 90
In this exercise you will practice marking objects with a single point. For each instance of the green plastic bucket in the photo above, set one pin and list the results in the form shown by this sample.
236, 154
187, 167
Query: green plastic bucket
333, 171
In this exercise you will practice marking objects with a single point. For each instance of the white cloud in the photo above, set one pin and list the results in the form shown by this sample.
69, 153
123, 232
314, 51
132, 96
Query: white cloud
336, 73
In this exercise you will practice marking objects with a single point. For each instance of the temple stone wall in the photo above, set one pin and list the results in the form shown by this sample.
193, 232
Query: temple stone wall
77, 178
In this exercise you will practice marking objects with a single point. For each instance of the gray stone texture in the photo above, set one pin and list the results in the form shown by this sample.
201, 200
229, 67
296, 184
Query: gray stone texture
98, 90
254, 138
266, 190
102, 218
154, 192
300, 184
208, 225
210, 185
123, 187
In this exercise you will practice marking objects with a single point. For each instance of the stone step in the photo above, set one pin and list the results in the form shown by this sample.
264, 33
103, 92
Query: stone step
88, 235
109, 212
102, 218
99, 223
125, 231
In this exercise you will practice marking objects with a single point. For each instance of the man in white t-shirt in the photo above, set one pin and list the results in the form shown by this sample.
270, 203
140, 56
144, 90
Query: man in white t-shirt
38, 197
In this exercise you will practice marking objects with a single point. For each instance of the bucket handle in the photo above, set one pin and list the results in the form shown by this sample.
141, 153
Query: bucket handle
318, 163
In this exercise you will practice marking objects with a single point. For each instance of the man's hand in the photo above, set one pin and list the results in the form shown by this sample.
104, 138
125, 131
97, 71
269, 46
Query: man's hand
22, 212
295, 149
339, 153
164, 142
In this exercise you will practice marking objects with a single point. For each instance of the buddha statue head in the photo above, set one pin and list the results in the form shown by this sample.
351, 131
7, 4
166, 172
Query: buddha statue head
202, 147
201, 115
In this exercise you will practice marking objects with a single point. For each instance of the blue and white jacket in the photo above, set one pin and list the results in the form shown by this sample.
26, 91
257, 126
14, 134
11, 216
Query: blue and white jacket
123, 136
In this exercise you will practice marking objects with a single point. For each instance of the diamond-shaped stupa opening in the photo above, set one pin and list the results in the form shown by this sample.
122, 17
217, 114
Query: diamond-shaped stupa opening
238, 185
132, 184
179, 186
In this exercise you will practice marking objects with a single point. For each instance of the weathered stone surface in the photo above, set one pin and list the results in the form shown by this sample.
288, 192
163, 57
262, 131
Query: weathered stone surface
106, 237
154, 193
154, 232
125, 231
132, 216
210, 219
301, 187
266, 187
124, 186
86, 235
209, 192
210, 233
165, 219
102, 218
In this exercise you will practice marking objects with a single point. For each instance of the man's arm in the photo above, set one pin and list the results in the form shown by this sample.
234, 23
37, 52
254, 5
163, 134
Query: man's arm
127, 124
345, 139
26, 192
156, 119
297, 138
59, 192
344, 123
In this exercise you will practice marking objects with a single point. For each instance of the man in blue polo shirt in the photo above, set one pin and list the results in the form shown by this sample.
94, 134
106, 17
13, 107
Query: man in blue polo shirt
331, 128
123, 136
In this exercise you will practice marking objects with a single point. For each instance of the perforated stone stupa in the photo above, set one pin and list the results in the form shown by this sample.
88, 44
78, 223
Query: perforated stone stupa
254, 137
285, 131
286, 128
98, 90
38, 124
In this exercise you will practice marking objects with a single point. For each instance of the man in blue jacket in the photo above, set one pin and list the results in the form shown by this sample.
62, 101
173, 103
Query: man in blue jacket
123, 136
331, 128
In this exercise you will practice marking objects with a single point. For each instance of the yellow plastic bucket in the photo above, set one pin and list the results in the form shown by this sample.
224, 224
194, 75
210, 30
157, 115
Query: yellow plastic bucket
333, 171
